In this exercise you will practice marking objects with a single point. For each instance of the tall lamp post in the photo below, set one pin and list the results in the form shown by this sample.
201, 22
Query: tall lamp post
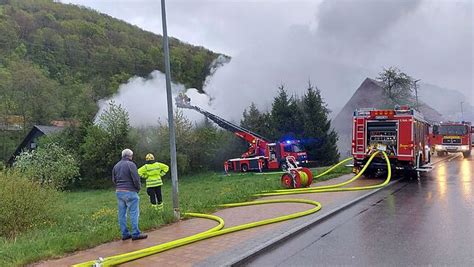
174, 169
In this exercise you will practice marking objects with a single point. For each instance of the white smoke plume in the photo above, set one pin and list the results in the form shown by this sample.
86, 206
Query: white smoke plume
336, 55
333, 43
145, 100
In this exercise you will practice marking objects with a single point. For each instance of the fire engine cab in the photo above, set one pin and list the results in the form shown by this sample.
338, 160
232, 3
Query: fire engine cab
402, 133
449, 137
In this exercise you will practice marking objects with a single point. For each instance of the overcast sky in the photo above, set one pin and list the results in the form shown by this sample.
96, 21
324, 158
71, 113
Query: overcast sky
334, 43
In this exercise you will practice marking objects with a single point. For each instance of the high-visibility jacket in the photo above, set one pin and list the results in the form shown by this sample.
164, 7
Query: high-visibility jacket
153, 172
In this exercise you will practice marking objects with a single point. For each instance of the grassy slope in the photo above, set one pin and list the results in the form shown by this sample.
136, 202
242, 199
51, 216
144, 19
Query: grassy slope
86, 219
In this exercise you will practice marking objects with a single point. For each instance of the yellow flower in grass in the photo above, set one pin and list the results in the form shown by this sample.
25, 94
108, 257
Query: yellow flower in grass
103, 214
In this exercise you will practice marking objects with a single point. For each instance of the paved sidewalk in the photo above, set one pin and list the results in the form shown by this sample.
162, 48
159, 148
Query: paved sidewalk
217, 250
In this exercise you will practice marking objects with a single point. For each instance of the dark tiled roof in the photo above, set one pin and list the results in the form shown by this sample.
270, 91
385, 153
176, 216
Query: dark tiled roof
49, 129
34, 132
378, 83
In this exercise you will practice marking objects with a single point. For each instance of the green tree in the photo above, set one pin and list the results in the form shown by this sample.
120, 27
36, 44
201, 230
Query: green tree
7, 101
285, 116
199, 147
205, 145
8, 143
256, 121
319, 138
35, 94
103, 144
114, 121
96, 160
76, 101
185, 139
8, 37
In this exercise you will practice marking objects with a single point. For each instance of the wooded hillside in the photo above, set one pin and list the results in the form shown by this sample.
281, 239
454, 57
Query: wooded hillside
57, 60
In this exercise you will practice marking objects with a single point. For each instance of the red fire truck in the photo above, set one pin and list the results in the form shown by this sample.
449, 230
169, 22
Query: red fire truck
449, 137
262, 155
402, 133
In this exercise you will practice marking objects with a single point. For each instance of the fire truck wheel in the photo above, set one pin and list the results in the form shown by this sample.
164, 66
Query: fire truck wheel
287, 181
370, 174
409, 174
244, 168
466, 154
440, 153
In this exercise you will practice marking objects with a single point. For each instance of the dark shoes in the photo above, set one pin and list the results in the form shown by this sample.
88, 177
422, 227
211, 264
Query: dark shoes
139, 237
134, 237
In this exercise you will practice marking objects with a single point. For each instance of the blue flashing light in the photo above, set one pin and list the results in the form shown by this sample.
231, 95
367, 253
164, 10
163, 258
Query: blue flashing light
288, 142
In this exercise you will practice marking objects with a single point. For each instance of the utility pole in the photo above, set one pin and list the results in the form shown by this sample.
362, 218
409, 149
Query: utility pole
174, 169
416, 93
462, 112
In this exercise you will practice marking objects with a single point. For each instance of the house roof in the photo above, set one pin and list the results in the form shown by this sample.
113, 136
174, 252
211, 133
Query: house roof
48, 129
37, 130
378, 83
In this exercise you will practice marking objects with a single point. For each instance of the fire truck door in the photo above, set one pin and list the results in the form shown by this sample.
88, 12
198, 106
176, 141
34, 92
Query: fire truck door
405, 138
273, 161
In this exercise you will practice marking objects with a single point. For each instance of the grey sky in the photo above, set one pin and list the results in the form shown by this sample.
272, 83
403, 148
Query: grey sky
220, 25
335, 43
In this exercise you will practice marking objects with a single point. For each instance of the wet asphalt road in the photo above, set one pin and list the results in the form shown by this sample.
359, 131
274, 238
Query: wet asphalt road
430, 222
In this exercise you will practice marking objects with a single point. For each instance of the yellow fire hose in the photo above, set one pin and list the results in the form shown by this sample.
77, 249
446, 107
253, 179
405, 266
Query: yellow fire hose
122, 258
156, 249
334, 187
217, 230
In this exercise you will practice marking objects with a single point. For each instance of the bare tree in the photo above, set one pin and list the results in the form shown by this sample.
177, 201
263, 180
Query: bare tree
397, 85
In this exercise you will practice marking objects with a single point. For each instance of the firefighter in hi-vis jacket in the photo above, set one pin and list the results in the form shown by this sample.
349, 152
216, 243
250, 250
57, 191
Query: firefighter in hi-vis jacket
152, 171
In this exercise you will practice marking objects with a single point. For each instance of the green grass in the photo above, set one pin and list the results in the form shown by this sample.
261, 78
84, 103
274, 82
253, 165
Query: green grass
341, 170
86, 219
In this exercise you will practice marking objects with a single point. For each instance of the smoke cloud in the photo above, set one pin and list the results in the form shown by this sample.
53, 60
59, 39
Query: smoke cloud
333, 43
335, 53
145, 100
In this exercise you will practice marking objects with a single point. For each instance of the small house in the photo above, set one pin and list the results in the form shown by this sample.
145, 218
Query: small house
31, 140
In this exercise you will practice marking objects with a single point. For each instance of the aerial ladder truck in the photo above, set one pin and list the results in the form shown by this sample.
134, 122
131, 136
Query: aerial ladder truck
262, 155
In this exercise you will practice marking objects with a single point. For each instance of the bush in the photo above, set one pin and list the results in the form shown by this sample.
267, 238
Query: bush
103, 144
25, 204
95, 154
48, 165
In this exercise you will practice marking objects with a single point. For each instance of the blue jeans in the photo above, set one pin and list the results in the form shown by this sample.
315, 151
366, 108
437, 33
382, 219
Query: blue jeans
128, 200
